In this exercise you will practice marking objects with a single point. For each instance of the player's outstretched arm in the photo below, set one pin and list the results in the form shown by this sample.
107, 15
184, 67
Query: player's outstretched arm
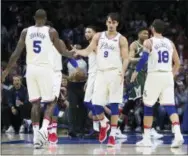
16, 54
176, 61
59, 44
91, 48
132, 53
124, 54
143, 59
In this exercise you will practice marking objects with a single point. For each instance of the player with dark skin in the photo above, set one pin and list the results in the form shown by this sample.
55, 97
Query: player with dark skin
40, 20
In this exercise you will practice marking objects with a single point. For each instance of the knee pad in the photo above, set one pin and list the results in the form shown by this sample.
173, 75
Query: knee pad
148, 111
170, 110
114, 109
56, 110
98, 109
89, 106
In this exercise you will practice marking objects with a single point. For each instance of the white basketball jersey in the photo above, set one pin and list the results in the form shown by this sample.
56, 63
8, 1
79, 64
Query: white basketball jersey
57, 60
160, 58
108, 52
38, 46
92, 61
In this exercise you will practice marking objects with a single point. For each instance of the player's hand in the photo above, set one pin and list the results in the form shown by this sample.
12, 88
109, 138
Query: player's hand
4, 75
74, 50
122, 78
14, 111
133, 77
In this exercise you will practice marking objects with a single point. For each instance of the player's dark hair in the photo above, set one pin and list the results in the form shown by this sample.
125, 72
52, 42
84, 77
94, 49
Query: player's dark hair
158, 25
142, 29
94, 28
40, 14
114, 16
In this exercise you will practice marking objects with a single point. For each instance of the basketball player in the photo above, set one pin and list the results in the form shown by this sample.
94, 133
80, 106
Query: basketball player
160, 53
39, 40
111, 48
57, 62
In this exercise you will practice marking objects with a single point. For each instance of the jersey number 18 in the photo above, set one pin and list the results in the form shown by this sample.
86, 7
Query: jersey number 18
37, 46
163, 57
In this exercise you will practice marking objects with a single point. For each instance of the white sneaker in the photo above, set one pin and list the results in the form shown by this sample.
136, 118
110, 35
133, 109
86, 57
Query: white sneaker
10, 130
22, 129
138, 129
42, 137
177, 142
145, 142
119, 135
96, 126
155, 135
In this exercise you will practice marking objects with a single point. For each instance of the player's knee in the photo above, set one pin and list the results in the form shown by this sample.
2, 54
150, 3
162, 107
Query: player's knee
90, 107
56, 110
170, 110
98, 109
148, 111
114, 108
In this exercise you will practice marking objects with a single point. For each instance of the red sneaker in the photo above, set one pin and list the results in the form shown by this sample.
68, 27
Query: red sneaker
103, 133
111, 141
53, 139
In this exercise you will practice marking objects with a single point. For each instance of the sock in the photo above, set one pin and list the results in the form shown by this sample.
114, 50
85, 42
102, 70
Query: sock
113, 130
147, 131
54, 127
103, 123
176, 127
35, 128
45, 123
96, 125
50, 128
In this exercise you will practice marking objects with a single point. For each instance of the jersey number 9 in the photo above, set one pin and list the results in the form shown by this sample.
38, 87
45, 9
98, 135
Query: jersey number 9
106, 54
37, 46
163, 57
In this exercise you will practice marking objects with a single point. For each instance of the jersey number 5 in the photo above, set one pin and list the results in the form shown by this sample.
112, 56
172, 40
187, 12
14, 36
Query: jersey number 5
37, 46
163, 57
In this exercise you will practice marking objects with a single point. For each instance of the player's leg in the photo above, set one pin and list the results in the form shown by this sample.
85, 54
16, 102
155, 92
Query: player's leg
151, 93
115, 98
99, 99
45, 81
167, 100
34, 98
56, 89
88, 98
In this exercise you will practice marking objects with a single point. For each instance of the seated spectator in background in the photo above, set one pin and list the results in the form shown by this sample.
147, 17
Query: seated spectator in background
19, 107
4, 106
181, 97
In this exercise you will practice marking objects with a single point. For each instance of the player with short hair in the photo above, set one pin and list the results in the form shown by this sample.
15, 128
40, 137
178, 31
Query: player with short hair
160, 53
39, 40
111, 49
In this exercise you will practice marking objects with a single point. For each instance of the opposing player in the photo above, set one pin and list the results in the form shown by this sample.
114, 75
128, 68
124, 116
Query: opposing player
39, 40
112, 60
160, 53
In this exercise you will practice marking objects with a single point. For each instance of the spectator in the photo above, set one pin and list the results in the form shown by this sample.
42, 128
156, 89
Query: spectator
19, 105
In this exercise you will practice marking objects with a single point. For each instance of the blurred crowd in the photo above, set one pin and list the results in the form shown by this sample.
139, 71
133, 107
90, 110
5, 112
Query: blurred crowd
70, 19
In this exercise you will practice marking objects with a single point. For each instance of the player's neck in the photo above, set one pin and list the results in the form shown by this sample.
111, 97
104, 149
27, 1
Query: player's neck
39, 24
111, 33
141, 41
157, 35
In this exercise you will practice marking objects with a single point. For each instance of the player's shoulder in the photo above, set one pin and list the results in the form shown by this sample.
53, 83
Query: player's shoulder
97, 36
123, 39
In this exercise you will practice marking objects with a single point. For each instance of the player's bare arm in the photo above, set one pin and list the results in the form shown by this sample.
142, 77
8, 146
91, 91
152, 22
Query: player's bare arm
132, 53
124, 54
16, 54
59, 44
176, 61
91, 47
140, 65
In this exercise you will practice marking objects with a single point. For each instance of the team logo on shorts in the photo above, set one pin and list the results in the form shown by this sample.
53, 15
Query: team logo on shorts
145, 93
